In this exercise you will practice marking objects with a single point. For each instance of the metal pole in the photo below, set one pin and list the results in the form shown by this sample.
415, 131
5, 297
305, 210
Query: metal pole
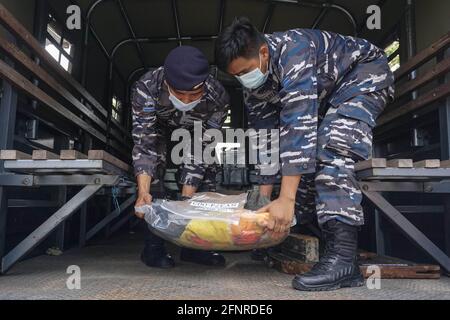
8, 108
222, 6
61, 230
176, 20
411, 50
87, 28
269, 14
319, 18
379, 234
444, 116
131, 30
40, 27
444, 119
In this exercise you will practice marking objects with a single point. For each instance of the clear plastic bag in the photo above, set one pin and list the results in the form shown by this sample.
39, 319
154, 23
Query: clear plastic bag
210, 221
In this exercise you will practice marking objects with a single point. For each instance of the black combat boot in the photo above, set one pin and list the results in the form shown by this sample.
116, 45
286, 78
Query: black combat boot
338, 267
207, 258
154, 253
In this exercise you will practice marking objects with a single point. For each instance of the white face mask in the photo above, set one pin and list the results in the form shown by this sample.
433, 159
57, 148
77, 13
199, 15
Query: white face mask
180, 105
255, 78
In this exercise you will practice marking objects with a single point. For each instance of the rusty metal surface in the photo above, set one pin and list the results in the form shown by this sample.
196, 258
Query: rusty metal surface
112, 270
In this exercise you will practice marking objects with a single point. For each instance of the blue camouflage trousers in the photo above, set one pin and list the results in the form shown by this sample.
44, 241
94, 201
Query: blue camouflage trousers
332, 192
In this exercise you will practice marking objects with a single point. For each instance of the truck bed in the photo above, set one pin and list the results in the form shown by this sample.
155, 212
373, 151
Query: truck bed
112, 270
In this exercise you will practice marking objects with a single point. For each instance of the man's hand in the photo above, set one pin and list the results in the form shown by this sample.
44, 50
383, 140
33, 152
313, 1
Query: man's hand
281, 213
143, 182
142, 200
188, 191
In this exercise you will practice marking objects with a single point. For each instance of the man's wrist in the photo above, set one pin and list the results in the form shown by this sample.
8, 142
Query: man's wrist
287, 198
143, 193
289, 186
143, 184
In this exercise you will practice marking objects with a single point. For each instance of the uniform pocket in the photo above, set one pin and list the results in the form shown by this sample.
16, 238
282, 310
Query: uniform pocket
350, 138
365, 107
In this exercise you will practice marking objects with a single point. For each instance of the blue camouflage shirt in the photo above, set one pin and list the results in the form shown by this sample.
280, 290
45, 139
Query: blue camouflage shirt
154, 115
310, 70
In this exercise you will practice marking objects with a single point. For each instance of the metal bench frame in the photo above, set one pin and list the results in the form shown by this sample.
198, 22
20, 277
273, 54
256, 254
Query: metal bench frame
91, 185
377, 181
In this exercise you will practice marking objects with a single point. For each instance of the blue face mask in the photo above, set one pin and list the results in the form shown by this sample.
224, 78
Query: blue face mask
254, 79
180, 105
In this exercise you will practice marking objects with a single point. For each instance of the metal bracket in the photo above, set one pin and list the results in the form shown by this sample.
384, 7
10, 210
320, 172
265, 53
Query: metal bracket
408, 228
20, 180
44, 230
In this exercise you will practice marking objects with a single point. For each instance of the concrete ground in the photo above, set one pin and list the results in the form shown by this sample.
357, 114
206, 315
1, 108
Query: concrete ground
112, 270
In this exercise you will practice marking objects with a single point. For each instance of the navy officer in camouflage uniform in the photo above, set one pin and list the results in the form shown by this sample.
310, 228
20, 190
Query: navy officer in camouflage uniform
324, 91
171, 97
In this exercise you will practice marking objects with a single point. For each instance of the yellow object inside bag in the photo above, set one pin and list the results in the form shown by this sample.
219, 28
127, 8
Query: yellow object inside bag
204, 234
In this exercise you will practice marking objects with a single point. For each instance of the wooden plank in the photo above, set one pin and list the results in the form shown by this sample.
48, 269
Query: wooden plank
434, 95
71, 155
423, 56
14, 155
103, 155
445, 164
437, 71
390, 269
404, 272
428, 164
20, 82
15, 53
302, 247
14, 26
400, 163
369, 164
44, 155
288, 265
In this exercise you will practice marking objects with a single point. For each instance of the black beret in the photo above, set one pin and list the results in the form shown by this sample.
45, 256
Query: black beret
185, 68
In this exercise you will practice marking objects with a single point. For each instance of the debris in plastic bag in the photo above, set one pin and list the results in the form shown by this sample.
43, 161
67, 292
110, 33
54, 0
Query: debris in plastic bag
210, 221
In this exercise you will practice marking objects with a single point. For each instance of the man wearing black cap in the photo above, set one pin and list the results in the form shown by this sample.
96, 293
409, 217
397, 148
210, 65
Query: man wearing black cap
172, 97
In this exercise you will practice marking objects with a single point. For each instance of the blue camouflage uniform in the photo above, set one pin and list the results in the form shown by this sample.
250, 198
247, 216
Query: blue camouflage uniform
324, 93
155, 117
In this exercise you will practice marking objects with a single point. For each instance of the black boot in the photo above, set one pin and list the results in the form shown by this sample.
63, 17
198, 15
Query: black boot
338, 267
207, 258
155, 256
154, 253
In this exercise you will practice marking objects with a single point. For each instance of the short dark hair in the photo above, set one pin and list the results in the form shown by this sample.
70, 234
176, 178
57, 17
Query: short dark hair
239, 39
